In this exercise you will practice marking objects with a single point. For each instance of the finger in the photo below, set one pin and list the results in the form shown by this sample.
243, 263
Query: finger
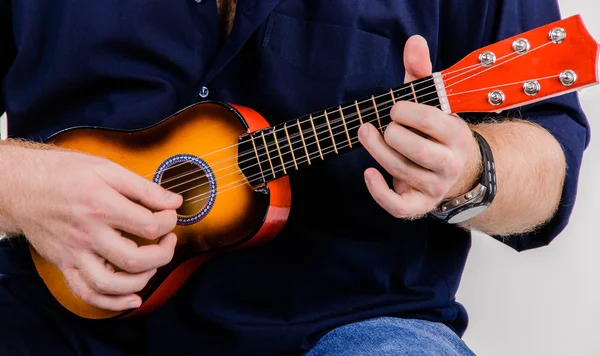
394, 163
136, 188
104, 281
128, 256
417, 60
409, 204
421, 151
428, 120
89, 296
125, 215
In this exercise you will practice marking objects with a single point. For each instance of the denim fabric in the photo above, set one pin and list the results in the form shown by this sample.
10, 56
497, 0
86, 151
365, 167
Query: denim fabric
391, 336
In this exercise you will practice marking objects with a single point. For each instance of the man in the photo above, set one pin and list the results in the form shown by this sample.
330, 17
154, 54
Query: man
377, 276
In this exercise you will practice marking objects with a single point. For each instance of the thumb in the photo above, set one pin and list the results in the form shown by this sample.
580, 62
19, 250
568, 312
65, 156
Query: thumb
416, 59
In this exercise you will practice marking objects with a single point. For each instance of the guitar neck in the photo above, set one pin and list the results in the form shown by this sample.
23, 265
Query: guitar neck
279, 150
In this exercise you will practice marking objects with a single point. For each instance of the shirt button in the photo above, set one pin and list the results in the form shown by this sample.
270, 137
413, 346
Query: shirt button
203, 92
199, 1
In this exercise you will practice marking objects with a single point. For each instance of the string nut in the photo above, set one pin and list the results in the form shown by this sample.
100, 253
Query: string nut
568, 77
521, 46
558, 35
531, 87
496, 97
487, 59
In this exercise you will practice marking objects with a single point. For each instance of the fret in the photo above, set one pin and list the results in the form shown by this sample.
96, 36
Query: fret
377, 113
298, 148
353, 123
358, 111
262, 133
330, 132
334, 130
366, 111
412, 87
279, 150
249, 163
303, 142
290, 145
345, 126
324, 138
312, 124
384, 107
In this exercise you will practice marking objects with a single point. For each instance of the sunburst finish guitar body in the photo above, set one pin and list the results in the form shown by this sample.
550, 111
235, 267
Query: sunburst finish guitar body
231, 166
239, 217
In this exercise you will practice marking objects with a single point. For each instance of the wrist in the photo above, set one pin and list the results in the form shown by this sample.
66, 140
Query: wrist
13, 155
471, 172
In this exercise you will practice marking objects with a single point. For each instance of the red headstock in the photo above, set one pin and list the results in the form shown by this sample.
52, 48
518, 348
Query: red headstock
476, 85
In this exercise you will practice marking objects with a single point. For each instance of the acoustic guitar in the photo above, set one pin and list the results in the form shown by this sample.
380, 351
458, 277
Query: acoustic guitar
231, 166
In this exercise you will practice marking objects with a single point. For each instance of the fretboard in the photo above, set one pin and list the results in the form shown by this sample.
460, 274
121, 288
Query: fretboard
279, 150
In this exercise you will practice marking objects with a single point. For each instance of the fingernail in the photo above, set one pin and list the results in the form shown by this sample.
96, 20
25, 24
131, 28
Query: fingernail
368, 176
363, 131
135, 303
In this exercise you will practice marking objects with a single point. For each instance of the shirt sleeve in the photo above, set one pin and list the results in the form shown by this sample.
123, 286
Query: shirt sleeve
562, 116
7, 46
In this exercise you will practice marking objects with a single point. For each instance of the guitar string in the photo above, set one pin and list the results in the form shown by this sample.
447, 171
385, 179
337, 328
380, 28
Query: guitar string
345, 144
465, 70
283, 164
276, 151
308, 131
369, 112
199, 198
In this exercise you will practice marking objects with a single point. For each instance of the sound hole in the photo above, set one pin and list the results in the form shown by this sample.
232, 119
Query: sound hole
190, 181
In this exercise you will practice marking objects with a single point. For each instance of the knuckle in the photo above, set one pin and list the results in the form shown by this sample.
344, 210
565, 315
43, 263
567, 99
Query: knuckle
151, 231
423, 156
133, 265
101, 285
80, 236
437, 191
398, 169
96, 210
87, 296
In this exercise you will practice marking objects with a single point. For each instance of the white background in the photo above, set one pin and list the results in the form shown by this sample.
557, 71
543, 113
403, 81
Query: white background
545, 301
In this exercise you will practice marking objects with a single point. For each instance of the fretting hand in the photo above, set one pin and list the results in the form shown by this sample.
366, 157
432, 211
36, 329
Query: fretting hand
429, 154
72, 208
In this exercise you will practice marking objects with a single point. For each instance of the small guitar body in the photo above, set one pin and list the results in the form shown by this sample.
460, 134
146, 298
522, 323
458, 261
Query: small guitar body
231, 167
185, 153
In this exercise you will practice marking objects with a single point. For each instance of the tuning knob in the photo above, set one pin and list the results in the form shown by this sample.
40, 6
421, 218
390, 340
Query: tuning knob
496, 97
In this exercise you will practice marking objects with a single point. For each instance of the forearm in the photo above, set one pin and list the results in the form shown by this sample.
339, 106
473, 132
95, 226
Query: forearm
14, 153
530, 171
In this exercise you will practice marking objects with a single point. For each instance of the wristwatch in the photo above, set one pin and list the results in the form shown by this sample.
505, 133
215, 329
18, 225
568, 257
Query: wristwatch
478, 199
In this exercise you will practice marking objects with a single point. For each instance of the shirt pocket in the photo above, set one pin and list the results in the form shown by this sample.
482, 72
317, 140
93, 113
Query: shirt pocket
326, 51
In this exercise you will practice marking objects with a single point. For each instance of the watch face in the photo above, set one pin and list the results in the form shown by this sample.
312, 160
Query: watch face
467, 214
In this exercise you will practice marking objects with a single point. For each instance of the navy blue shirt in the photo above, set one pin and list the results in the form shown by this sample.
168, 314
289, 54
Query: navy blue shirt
340, 258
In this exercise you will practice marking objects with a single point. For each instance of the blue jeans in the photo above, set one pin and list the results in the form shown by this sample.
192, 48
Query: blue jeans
391, 336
